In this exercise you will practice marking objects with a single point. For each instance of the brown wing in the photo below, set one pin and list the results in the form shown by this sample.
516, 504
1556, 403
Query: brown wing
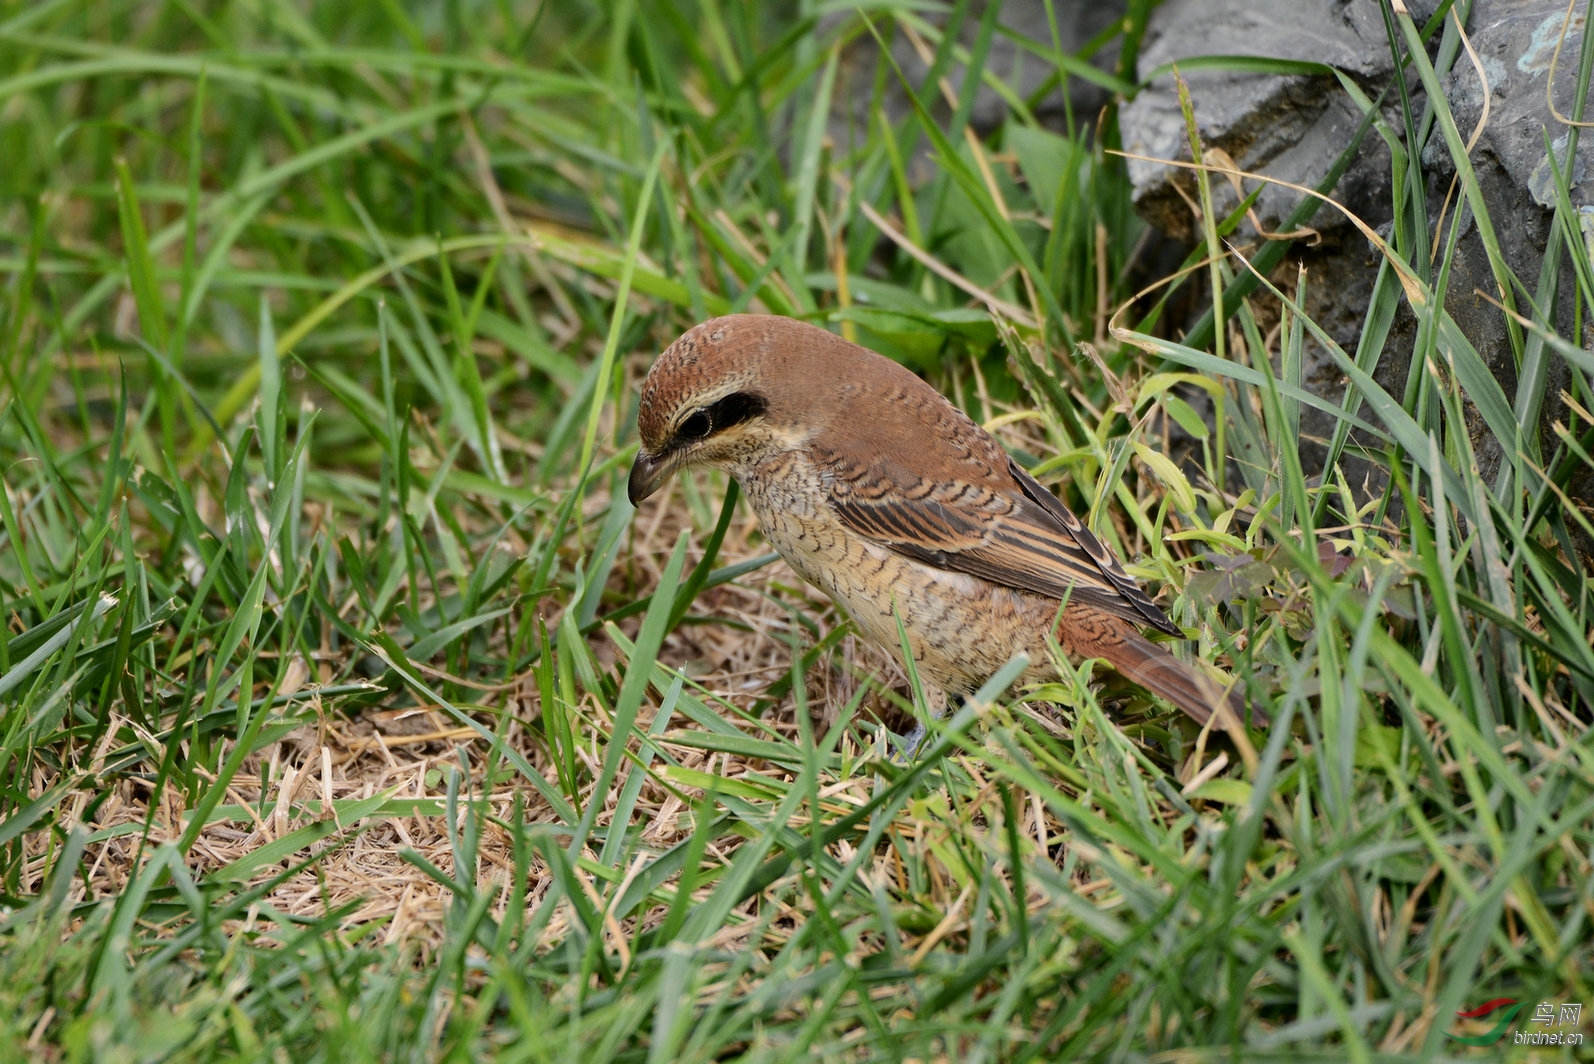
990, 520
1084, 541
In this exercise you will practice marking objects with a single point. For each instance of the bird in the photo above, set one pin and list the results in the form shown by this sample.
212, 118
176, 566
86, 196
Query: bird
881, 493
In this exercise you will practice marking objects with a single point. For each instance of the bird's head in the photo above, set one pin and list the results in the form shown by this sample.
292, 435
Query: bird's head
731, 391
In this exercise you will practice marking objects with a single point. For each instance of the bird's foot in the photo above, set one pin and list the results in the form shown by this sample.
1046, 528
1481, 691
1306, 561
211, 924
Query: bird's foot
910, 743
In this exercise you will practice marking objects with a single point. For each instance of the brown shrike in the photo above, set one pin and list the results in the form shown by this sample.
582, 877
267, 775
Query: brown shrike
894, 503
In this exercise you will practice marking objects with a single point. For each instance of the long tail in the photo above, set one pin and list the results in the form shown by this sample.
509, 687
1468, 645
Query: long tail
1152, 667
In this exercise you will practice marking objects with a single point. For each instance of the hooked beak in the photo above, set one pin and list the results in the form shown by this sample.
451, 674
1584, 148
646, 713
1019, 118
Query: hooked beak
648, 474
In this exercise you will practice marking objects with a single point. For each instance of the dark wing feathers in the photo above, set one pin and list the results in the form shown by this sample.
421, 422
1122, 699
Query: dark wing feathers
1106, 564
1028, 541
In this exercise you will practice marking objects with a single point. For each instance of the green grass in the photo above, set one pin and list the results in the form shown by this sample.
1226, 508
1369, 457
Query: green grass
341, 709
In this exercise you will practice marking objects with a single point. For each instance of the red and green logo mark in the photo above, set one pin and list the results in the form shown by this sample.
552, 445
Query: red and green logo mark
1495, 1033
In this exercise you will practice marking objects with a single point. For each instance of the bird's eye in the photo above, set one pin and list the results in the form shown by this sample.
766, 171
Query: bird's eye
696, 426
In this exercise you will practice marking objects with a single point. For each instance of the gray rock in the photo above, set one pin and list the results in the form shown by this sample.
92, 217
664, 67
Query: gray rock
1294, 127
1290, 127
1516, 44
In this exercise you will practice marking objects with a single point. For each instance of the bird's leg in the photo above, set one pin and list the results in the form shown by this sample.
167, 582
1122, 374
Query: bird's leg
935, 700
910, 743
